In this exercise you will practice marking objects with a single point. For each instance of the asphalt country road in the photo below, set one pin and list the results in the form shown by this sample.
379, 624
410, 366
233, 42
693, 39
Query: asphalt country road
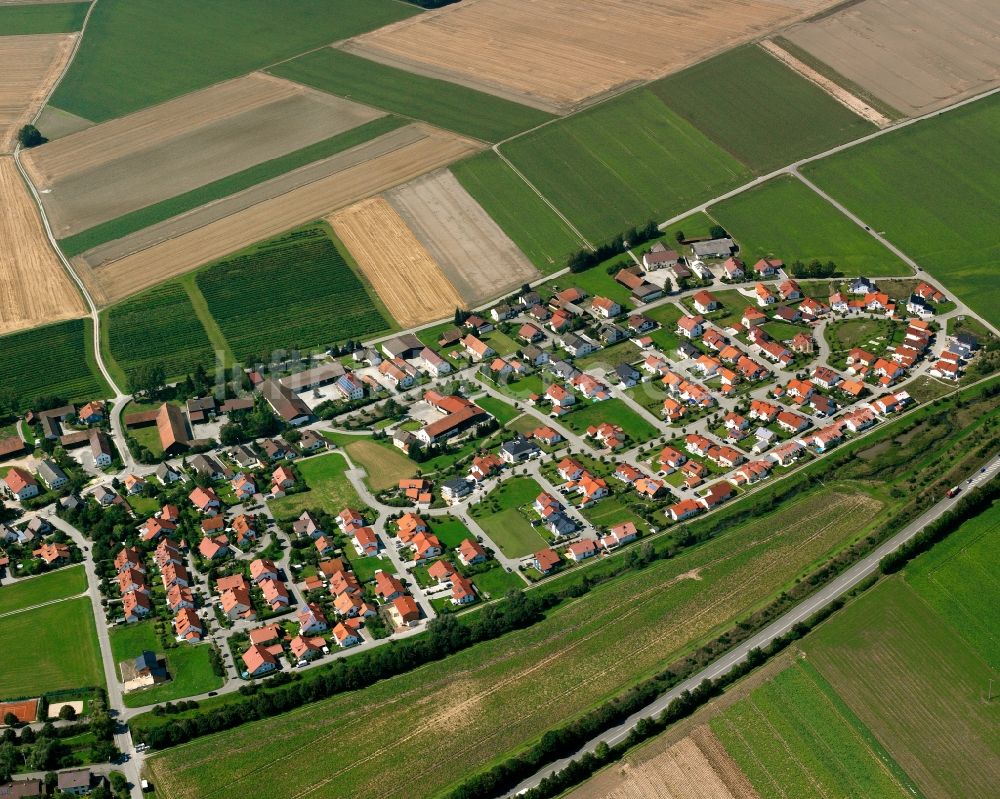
837, 588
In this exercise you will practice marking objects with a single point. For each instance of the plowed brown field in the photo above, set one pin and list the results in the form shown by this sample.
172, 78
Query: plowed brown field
916, 55
478, 258
117, 167
415, 149
404, 274
34, 287
29, 65
507, 47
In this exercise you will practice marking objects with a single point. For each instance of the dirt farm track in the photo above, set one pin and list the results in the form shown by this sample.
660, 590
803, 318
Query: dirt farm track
29, 65
312, 192
34, 287
603, 44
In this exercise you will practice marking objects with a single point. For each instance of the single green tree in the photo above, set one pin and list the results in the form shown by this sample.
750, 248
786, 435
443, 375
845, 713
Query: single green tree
30, 136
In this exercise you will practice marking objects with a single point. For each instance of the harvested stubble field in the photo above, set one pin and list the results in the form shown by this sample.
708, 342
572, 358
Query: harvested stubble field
478, 258
534, 227
403, 273
916, 55
159, 221
947, 169
118, 167
294, 291
34, 287
308, 193
696, 767
450, 106
430, 727
29, 65
603, 45
794, 736
918, 686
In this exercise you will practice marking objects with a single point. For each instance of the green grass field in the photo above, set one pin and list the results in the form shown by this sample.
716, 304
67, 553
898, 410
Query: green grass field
534, 227
934, 188
592, 647
44, 588
42, 18
500, 410
50, 648
447, 105
329, 488
496, 582
793, 736
189, 666
622, 163
756, 108
135, 55
614, 411
54, 360
508, 527
224, 187
158, 326
385, 464
917, 684
785, 219
959, 579
295, 291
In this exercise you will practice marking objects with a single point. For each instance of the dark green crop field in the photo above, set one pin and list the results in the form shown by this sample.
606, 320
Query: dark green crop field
934, 188
786, 219
755, 107
54, 360
295, 291
158, 326
623, 163
137, 53
523, 215
41, 18
439, 102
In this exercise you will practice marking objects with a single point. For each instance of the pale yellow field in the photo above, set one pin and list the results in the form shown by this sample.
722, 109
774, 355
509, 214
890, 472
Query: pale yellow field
696, 767
415, 149
34, 287
29, 65
508, 47
404, 275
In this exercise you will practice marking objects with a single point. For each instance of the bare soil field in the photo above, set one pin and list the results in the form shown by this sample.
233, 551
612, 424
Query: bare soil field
405, 276
477, 256
916, 55
34, 287
506, 47
310, 193
29, 65
120, 166
696, 767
